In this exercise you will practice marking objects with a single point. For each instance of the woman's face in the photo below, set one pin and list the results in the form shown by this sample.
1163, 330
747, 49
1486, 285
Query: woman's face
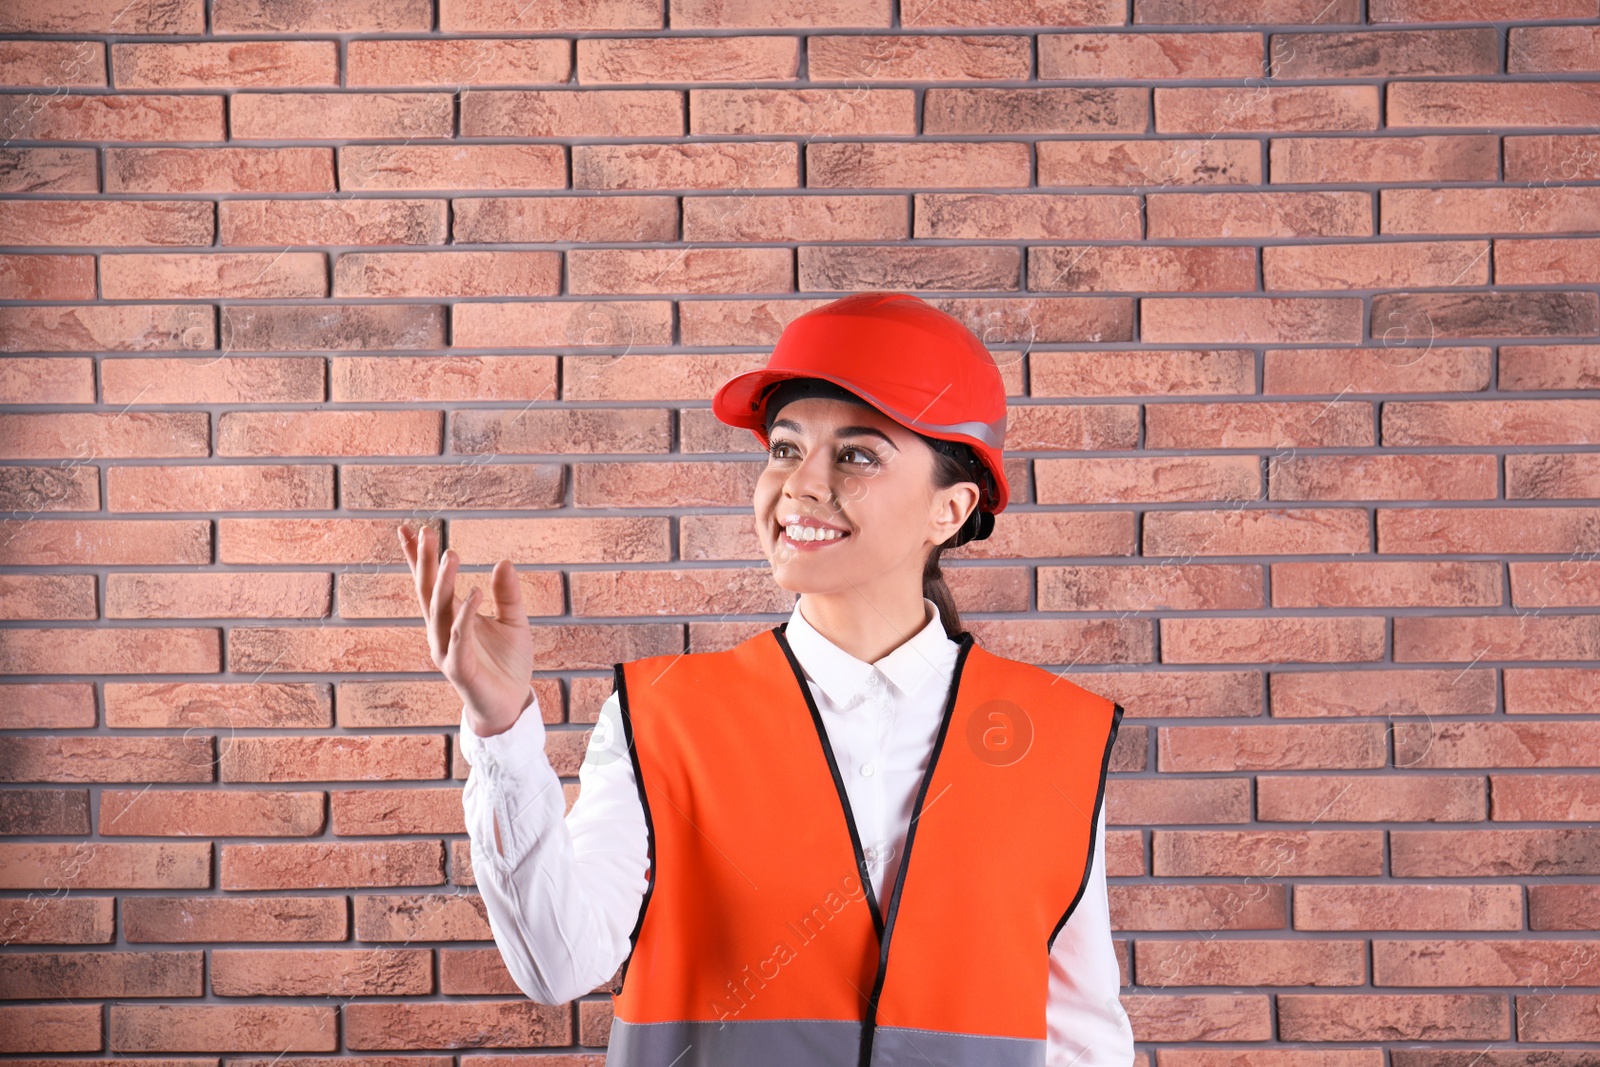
851, 473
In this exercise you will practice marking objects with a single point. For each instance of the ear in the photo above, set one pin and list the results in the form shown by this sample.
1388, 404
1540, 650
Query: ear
951, 507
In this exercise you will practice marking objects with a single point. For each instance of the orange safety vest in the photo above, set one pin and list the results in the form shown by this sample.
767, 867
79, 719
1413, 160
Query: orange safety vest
760, 940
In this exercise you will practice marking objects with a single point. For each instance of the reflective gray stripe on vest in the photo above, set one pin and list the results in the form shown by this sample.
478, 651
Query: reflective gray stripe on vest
808, 1043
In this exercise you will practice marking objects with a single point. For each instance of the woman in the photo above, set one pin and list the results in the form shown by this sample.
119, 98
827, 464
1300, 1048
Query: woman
740, 843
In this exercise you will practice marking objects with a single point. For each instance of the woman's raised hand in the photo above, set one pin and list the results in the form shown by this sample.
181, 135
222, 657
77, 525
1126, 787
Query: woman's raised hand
488, 658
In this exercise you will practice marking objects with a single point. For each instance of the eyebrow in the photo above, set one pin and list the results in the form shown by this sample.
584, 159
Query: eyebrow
843, 431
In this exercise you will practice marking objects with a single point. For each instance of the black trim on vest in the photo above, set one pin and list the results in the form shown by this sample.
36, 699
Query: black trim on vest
650, 828
966, 642
838, 779
1094, 826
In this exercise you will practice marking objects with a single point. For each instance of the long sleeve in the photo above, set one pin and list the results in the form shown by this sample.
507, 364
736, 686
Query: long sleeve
1084, 1018
564, 895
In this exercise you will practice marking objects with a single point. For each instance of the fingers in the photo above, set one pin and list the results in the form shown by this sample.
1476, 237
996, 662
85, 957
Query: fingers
441, 618
508, 605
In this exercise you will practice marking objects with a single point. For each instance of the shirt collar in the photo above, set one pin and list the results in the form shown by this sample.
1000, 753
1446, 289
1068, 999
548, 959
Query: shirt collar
842, 677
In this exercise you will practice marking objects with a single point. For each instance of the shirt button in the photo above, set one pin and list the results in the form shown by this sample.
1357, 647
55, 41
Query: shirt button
870, 854
874, 678
866, 770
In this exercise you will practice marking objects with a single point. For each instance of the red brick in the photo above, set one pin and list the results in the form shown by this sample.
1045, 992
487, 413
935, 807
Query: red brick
1203, 906
1247, 320
217, 170
1141, 268
48, 705
717, 14
332, 864
1140, 56
338, 222
106, 16
1346, 639
55, 63
1548, 690
1495, 853
115, 650
77, 758
1386, 265
1030, 13
561, 324
518, 15
1170, 161
1396, 369
47, 170
1491, 103
46, 277
1400, 477
320, 116
255, 487
858, 267
152, 865
1259, 424
1535, 49
388, 972
44, 811
693, 591
1563, 907
386, 757
1165, 478
1329, 906
84, 975
227, 275
371, 16
1433, 158
114, 222
1488, 211
1275, 746
649, 377
452, 63
1554, 797
572, 113
69, 921
212, 379
1101, 110
1311, 213
1546, 261
453, 167
266, 1028
520, 1023
205, 813
148, 919
679, 270
1234, 109
1041, 216
1474, 10
1563, 1017
1247, 11
447, 274
1497, 744
239, 64
565, 218
113, 117
900, 164
1238, 962
1552, 158
390, 378
1177, 800
1267, 853
802, 112
263, 328
1213, 1017
1385, 53
720, 165
1325, 694
87, 435
255, 704
1503, 422
329, 433
52, 1028
369, 812
218, 596
653, 61
1552, 477
1510, 530
864, 58
41, 597
1404, 584
1533, 637
1375, 798
1172, 372
1393, 1017
795, 218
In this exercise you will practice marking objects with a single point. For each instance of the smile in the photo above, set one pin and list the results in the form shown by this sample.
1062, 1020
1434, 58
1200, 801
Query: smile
802, 537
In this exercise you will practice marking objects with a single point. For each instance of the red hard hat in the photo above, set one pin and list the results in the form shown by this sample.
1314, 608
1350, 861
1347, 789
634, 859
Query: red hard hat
918, 365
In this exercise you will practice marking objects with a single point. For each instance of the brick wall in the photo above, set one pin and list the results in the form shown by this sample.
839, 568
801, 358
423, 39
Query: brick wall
1303, 448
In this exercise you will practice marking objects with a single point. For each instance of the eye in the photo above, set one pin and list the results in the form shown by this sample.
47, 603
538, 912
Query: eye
870, 457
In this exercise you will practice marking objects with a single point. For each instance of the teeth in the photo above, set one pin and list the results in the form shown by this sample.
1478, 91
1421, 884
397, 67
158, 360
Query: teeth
811, 533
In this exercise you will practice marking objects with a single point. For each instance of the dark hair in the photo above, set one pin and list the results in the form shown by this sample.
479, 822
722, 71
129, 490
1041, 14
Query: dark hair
953, 462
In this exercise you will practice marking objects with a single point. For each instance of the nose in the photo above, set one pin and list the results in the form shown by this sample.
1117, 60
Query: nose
811, 478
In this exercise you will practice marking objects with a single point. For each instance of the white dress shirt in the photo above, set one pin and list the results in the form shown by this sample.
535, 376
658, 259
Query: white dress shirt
564, 895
